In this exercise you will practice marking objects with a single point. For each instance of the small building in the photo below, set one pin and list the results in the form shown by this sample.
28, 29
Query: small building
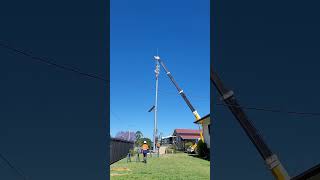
205, 121
182, 136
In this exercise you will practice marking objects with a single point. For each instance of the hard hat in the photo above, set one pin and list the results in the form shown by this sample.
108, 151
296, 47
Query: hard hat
145, 142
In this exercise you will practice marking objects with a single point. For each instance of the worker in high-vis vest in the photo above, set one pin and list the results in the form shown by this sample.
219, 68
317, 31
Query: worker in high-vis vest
145, 150
158, 147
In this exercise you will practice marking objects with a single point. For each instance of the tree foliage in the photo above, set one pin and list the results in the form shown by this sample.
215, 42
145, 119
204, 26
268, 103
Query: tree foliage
139, 135
140, 142
188, 144
202, 149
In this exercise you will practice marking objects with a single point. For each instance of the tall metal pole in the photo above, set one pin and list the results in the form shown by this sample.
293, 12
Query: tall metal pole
157, 71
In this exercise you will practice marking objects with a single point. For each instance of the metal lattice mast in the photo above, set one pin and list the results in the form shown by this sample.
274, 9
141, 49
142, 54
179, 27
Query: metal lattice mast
157, 71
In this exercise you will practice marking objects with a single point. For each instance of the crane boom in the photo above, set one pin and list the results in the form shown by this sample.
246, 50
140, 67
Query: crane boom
271, 159
193, 110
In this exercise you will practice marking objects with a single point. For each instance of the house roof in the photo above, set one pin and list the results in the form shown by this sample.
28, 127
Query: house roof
204, 117
310, 174
190, 136
187, 131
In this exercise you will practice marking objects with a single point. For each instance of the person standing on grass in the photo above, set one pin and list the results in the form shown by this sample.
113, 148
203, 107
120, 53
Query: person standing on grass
129, 157
138, 154
145, 150
158, 147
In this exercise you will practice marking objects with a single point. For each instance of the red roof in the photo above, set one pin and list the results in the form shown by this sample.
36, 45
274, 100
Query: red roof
187, 131
189, 137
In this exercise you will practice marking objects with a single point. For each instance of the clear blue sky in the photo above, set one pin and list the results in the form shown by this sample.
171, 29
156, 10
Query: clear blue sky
269, 56
53, 122
180, 30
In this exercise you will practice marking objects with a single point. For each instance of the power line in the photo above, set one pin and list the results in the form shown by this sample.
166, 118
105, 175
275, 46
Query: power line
252, 107
115, 115
51, 63
95, 76
271, 110
13, 167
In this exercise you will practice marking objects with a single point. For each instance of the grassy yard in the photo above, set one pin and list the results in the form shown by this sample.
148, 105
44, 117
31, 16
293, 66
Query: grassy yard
171, 166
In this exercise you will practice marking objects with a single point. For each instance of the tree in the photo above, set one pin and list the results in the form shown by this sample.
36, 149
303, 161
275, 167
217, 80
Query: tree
140, 142
202, 150
139, 135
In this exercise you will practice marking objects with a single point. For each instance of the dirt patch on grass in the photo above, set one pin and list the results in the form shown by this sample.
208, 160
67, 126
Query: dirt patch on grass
117, 174
120, 169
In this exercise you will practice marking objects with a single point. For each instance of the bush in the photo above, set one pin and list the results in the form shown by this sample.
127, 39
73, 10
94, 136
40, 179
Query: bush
171, 149
188, 144
202, 149
132, 152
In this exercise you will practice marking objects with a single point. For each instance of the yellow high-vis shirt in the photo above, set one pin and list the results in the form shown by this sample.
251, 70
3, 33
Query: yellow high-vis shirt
145, 147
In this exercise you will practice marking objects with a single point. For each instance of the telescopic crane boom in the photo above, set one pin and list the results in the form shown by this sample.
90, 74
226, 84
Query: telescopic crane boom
270, 158
193, 110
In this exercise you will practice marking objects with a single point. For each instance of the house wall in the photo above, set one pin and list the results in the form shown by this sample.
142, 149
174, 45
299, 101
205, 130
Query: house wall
179, 143
206, 134
167, 140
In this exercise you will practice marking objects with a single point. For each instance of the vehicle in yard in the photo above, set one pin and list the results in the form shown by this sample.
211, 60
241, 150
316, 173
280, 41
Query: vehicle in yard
191, 150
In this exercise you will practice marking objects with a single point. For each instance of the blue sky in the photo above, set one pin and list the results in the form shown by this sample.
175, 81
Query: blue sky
269, 56
50, 117
181, 33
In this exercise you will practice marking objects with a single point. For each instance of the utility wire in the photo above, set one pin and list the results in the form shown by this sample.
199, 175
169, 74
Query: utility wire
51, 63
115, 115
13, 167
252, 107
95, 76
271, 110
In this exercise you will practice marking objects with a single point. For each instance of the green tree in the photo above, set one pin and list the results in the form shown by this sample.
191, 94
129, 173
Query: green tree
139, 135
202, 149
188, 144
140, 141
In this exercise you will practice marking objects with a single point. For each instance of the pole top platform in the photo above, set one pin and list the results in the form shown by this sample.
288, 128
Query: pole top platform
156, 57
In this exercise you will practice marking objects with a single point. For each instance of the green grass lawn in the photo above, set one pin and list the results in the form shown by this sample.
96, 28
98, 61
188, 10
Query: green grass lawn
171, 166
